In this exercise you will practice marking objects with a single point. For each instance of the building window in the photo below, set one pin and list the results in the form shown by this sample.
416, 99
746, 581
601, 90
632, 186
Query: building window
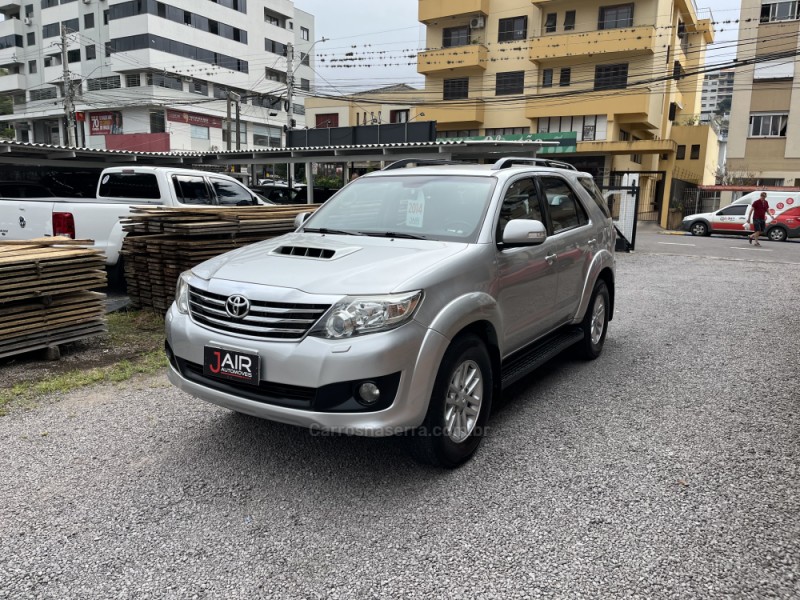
550, 22
503, 131
71, 25
273, 75
624, 136
510, 83
611, 77
91, 52
272, 18
266, 135
768, 125
51, 30
779, 11
133, 80
456, 89
158, 123
31, 66
305, 59
305, 84
569, 20
199, 87
566, 75
455, 36
305, 33
399, 116
274, 47
198, 133
694, 152
31, 39
172, 82
681, 153
515, 28
49, 3
48, 93
88, 21
613, 17
547, 78
29, 10
103, 83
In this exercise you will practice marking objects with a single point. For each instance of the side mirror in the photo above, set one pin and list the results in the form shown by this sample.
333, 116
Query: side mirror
300, 219
524, 232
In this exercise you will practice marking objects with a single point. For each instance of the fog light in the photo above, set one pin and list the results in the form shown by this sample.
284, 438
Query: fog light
368, 393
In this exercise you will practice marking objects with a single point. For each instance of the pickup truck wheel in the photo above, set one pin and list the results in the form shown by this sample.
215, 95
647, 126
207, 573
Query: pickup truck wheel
459, 406
595, 322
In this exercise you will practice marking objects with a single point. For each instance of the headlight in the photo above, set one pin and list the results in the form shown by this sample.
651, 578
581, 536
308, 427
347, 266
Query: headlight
367, 314
182, 293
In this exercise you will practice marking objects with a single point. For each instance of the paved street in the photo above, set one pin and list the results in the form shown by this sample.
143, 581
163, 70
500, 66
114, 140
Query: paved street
668, 468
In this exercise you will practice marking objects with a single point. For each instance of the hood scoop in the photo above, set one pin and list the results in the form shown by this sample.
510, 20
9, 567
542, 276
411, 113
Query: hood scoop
312, 252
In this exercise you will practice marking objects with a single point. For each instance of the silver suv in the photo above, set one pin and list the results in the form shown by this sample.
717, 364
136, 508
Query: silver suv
404, 305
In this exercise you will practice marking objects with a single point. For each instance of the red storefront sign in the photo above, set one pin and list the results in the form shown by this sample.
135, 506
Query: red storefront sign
180, 116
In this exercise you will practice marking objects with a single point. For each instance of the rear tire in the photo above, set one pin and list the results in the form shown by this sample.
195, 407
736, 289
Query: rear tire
777, 234
595, 322
459, 406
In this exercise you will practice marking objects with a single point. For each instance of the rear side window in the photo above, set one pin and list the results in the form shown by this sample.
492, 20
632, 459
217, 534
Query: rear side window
130, 185
566, 211
191, 189
230, 193
590, 186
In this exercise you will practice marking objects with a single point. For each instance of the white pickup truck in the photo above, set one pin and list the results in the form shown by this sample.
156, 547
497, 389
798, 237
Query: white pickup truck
118, 189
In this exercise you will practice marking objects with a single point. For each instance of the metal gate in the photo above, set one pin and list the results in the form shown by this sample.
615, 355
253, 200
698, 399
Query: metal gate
623, 201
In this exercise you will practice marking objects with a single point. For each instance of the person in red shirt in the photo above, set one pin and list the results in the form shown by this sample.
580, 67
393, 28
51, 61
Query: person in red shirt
758, 216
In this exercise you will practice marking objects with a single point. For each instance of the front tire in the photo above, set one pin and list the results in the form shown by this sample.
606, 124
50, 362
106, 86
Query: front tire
459, 406
699, 228
595, 322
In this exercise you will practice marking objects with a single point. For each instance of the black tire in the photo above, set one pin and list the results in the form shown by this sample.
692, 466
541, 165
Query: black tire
777, 234
595, 322
451, 432
699, 228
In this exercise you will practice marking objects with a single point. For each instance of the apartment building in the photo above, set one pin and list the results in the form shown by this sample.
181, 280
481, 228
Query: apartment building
764, 130
616, 76
717, 88
153, 75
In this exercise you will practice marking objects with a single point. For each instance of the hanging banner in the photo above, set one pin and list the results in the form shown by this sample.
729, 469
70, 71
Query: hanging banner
105, 123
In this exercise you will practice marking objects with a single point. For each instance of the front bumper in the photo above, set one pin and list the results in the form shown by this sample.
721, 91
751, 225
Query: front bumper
310, 382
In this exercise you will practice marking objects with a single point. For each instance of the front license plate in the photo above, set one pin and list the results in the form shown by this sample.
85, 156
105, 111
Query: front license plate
232, 365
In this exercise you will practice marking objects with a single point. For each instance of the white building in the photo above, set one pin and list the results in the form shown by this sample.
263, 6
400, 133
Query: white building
153, 75
717, 87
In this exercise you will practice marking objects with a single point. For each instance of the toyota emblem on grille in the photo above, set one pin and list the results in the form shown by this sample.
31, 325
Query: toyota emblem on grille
237, 306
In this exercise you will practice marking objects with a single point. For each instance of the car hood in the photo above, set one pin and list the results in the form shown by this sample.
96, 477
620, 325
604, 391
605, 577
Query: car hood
330, 264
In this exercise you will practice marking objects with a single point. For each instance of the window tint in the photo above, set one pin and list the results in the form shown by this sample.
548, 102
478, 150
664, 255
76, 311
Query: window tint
190, 189
130, 185
230, 193
566, 211
739, 209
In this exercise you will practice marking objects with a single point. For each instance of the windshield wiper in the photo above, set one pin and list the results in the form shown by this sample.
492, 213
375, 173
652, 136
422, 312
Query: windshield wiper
394, 234
330, 231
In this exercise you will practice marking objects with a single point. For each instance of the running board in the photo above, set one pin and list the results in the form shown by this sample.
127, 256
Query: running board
530, 359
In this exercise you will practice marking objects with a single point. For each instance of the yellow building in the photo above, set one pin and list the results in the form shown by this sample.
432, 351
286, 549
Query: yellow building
617, 75
392, 104
764, 133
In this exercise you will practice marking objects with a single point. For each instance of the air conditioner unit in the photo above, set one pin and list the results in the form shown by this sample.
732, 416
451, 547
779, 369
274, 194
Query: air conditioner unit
28, 21
86, 1
477, 22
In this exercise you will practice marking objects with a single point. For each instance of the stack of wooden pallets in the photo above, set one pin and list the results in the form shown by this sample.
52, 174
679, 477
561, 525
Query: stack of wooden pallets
161, 242
45, 293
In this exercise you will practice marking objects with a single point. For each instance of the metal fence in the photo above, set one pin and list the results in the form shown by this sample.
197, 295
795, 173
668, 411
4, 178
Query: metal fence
696, 201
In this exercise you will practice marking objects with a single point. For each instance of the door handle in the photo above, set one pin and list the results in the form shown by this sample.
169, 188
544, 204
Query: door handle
551, 258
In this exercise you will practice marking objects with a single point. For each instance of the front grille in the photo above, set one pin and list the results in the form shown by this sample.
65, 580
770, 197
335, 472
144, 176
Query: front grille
265, 320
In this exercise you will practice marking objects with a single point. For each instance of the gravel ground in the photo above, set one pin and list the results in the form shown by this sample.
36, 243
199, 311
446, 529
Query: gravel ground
665, 469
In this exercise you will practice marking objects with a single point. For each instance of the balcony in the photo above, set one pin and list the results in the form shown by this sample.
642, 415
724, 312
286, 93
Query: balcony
433, 10
13, 7
618, 42
467, 113
460, 60
637, 107
10, 84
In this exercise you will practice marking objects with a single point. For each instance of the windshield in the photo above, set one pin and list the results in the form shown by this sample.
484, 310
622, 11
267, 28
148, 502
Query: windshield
431, 207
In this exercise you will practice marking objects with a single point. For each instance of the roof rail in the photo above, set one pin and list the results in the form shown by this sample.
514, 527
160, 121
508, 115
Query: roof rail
404, 162
510, 161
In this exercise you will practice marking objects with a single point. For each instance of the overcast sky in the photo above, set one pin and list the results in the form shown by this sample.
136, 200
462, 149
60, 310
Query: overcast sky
384, 37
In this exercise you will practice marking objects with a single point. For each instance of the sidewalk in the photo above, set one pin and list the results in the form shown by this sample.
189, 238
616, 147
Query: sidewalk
654, 227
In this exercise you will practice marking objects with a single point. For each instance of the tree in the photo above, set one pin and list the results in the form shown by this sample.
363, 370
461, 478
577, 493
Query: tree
723, 106
724, 176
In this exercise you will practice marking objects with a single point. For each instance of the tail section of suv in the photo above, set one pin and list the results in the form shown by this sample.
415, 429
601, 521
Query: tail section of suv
403, 305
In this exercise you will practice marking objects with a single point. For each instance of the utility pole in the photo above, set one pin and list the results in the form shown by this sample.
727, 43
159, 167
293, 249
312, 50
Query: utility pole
69, 106
289, 92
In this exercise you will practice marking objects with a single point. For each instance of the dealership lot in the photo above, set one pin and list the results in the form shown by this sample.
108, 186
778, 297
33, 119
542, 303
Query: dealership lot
668, 468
